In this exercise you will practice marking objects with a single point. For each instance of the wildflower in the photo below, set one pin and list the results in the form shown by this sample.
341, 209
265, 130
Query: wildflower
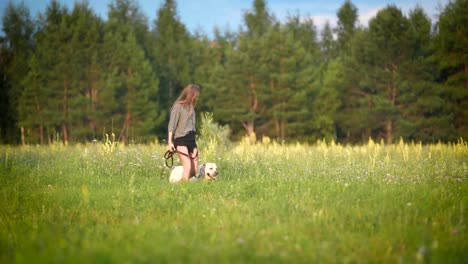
423, 254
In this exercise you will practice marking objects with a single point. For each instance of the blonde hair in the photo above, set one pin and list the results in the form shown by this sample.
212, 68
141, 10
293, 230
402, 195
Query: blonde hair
189, 95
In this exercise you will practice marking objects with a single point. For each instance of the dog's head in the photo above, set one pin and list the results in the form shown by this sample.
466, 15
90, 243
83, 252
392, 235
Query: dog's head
208, 171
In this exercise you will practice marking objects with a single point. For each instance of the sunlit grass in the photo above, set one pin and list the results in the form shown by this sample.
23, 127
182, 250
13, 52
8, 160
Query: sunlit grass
324, 203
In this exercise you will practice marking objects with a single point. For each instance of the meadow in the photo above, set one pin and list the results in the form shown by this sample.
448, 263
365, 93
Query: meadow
272, 203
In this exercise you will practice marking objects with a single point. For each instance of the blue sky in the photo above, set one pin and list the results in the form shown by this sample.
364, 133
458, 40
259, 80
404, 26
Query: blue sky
204, 15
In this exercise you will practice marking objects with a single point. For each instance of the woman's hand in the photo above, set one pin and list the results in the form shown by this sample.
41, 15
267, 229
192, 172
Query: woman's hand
170, 147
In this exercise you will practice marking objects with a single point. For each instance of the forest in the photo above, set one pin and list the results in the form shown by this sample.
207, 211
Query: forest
70, 76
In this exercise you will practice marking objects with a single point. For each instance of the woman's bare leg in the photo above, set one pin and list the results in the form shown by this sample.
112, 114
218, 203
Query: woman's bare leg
186, 162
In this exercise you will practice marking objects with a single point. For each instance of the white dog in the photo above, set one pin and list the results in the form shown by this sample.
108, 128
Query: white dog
206, 171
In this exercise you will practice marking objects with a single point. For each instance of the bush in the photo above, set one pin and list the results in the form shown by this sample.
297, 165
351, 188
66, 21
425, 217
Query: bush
213, 138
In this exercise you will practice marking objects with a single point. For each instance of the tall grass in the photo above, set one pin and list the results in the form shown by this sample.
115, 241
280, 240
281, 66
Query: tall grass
324, 203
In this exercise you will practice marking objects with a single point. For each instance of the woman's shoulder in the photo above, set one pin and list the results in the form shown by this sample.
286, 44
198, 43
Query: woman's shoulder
178, 107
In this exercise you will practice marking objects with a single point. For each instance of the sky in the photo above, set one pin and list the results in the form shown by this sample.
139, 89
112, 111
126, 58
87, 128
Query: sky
204, 15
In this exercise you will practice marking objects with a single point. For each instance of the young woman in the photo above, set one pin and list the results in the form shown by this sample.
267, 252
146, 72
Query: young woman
181, 130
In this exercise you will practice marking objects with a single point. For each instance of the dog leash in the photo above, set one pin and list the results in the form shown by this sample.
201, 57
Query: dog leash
209, 176
169, 156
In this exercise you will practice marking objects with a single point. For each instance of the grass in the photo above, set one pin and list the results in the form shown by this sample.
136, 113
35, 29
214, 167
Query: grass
273, 203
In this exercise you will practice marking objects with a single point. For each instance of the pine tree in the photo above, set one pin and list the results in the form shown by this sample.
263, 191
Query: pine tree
240, 87
6, 122
347, 19
423, 114
340, 59
451, 46
78, 69
288, 56
16, 49
388, 31
32, 105
327, 44
355, 121
63, 58
327, 101
130, 86
205, 60
86, 42
243, 78
252, 74
48, 80
331, 78
218, 89
258, 20
170, 53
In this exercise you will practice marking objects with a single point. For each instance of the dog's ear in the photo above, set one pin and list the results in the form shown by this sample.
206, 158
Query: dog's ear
201, 171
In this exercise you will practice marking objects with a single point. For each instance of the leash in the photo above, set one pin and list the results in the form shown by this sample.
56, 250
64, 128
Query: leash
212, 178
169, 156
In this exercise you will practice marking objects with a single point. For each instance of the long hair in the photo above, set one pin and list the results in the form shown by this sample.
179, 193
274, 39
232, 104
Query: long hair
189, 95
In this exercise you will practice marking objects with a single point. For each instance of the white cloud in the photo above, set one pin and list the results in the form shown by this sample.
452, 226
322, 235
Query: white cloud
321, 20
367, 15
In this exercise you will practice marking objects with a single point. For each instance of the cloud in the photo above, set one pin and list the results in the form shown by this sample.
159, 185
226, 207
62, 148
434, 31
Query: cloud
321, 20
363, 18
367, 15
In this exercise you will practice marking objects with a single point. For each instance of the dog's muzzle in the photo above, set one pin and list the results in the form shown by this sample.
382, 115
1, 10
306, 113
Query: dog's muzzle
212, 177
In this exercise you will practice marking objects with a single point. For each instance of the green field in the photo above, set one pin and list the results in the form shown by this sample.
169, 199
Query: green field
272, 203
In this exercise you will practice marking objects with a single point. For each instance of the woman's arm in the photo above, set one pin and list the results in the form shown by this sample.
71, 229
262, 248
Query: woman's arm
172, 126
170, 145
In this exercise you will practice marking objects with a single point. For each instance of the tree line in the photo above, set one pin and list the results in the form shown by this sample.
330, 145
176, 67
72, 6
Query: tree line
72, 76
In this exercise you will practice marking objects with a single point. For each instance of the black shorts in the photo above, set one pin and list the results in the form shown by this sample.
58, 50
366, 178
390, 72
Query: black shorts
187, 140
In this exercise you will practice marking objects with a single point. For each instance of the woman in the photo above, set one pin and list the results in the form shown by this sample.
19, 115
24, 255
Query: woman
181, 130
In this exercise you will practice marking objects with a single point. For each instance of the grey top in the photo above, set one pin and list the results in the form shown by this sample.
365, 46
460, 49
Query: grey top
181, 121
